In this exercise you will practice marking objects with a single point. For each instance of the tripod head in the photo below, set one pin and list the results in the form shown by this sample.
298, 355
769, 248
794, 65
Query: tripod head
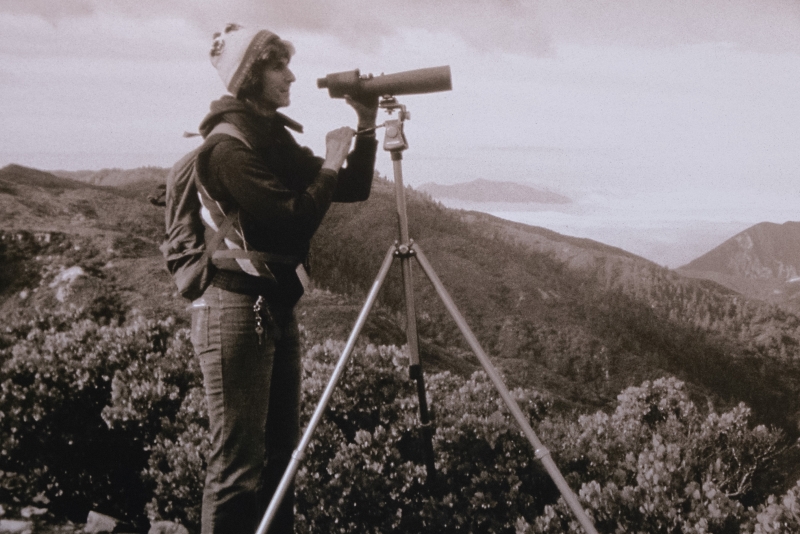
394, 140
390, 104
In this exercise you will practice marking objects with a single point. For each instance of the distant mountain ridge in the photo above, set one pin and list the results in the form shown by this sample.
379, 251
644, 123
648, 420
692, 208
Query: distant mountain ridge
491, 191
117, 177
764, 251
761, 262
19, 175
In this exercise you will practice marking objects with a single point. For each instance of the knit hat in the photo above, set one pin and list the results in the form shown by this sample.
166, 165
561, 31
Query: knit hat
236, 49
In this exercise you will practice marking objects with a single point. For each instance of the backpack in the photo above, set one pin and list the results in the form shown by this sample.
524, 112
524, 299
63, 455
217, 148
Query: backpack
185, 248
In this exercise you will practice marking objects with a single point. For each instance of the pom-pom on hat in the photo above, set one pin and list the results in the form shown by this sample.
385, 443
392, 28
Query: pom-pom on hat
236, 49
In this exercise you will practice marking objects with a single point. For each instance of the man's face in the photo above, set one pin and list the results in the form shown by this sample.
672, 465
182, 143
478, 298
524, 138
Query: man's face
277, 79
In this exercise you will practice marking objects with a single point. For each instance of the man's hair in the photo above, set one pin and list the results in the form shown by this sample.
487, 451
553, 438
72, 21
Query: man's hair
252, 86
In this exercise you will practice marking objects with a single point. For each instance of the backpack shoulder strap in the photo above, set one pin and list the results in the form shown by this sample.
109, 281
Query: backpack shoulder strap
231, 130
213, 244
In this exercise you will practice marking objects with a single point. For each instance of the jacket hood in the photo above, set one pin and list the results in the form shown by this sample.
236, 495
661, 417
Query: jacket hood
240, 114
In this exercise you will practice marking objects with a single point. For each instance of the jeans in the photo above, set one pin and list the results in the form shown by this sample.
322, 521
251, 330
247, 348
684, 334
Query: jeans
252, 389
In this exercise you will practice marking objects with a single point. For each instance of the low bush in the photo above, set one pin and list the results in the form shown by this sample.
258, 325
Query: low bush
365, 467
365, 471
112, 417
657, 464
56, 377
779, 515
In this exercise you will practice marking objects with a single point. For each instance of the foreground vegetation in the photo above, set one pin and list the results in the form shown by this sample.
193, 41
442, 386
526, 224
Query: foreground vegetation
101, 414
102, 409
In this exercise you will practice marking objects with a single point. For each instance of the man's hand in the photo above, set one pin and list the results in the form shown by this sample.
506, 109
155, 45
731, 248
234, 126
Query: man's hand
366, 109
337, 146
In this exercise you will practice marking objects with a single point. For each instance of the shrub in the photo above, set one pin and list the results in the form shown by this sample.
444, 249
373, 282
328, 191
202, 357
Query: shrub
657, 464
364, 470
159, 399
779, 516
177, 463
55, 379
77, 396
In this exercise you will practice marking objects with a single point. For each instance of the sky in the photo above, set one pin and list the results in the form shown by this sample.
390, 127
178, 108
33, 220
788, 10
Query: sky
672, 125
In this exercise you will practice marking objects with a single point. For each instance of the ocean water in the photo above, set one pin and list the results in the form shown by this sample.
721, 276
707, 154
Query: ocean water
669, 228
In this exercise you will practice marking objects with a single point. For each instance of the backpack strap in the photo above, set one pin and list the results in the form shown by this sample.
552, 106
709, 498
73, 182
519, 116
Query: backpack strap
231, 130
223, 257
266, 257
213, 244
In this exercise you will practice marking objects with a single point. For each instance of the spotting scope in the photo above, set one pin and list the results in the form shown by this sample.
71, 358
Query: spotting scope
410, 82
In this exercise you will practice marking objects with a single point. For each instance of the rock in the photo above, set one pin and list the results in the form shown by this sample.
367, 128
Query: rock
30, 511
64, 281
7, 526
96, 523
167, 527
41, 498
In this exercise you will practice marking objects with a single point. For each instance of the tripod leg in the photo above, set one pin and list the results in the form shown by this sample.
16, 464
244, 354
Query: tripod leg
415, 372
415, 368
540, 451
297, 455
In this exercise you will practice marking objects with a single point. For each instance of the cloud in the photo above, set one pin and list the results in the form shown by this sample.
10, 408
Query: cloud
99, 35
766, 25
50, 11
518, 26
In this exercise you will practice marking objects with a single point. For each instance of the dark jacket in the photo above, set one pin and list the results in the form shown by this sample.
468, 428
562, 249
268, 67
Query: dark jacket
279, 187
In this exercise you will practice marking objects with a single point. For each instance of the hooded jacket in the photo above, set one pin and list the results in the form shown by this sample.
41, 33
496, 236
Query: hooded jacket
280, 189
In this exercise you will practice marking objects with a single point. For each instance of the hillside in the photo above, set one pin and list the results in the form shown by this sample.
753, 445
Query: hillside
492, 191
117, 177
49, 224
569, 316
762, 262
36, 200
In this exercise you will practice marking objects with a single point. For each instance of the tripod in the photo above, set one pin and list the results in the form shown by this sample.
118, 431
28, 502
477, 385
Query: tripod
405, 249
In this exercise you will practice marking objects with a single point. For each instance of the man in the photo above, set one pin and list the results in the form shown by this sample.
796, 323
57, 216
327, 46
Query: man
243, 327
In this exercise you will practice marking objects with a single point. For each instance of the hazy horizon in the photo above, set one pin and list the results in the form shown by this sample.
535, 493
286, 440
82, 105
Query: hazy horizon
670, 230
